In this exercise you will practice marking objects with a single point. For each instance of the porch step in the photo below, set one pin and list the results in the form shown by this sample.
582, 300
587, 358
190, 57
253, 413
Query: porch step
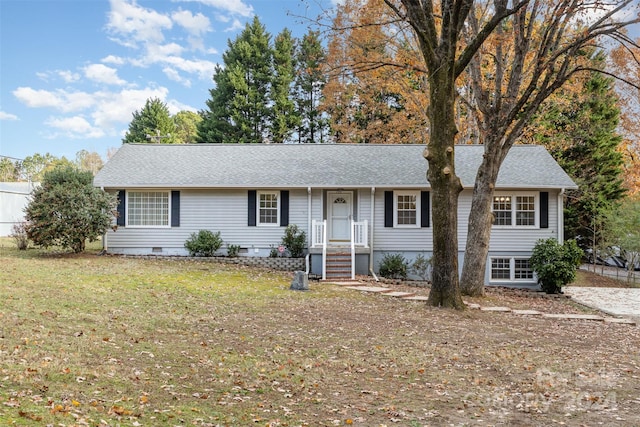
338, 265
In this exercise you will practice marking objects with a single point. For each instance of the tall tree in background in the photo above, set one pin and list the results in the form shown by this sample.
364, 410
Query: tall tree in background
239, 106
624, 63
517, 53
376, 87
8, 170
89, 161
186, 123
309, 83
284, 117
579, 128
152, 124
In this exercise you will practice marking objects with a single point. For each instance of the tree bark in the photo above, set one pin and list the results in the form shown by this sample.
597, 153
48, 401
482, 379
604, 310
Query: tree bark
480, 223
445, 187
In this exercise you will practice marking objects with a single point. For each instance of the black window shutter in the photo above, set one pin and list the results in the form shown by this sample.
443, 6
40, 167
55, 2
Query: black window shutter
121, 221
175, 209
388, 208
284, 208
544, 209
425, 208
252, 208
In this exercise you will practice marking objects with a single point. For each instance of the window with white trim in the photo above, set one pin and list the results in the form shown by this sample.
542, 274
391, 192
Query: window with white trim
148, 208
522, 207
268, 208
407, 206
511, 269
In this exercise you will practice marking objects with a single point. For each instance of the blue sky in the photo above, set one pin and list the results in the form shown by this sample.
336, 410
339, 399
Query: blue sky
72, 72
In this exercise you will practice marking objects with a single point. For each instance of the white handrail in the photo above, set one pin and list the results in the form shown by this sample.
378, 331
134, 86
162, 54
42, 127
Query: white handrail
353, 250
324, 250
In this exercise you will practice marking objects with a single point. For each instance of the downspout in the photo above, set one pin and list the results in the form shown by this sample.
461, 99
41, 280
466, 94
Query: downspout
309, 232
104, 236
373, 198
561, 216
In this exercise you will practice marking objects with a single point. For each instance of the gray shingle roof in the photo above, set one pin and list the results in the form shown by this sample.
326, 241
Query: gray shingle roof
312, 165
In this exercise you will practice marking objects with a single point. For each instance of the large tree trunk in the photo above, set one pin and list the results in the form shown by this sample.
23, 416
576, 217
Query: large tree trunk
445, 187
480, 223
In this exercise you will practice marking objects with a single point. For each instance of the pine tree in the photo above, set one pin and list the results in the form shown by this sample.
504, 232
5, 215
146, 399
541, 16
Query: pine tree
239, 107
152, 124
579, 129
284, 117
310, 82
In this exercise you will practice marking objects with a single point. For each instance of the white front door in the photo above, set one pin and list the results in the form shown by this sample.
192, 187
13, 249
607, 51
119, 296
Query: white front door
339, 216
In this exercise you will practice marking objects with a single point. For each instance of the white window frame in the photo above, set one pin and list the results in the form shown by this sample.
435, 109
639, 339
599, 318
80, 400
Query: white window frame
514, 208
278, 204
128, 206
414, 193
512, 270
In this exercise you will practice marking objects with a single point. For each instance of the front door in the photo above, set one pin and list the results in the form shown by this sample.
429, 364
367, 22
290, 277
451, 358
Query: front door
339, 214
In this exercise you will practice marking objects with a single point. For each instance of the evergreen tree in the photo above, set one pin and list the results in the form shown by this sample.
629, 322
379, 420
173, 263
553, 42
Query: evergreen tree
310, 82
239, 107
284, 117
152, 124
579, 129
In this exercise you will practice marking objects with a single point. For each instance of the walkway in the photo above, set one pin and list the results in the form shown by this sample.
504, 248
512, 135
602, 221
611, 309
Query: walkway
614, 301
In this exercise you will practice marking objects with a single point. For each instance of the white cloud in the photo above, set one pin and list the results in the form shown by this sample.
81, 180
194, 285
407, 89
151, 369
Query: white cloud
7, 116
75, 127
173, 74
69, 76
237, 7
102, 74
132, 24
116, 108
235, 25
196, 25
60, 99
112, 59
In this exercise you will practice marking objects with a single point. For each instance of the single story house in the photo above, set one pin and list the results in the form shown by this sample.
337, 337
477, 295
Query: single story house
355, 202
14, 197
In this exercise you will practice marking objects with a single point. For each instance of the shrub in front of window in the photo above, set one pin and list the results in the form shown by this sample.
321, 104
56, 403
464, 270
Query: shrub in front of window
555, 264
294, 240
394, 266
203, 243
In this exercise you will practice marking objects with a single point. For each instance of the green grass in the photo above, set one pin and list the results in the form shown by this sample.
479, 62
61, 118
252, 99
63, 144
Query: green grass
111, 341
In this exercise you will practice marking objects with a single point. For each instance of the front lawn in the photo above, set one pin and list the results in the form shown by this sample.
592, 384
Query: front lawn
88, 340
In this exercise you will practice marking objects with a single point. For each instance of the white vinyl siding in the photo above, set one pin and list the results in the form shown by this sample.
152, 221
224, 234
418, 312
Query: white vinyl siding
398, 239
214, 210
148, 209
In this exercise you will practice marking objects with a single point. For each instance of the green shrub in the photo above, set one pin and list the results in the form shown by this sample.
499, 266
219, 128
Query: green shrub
555, 264
203, 243
421, 267
294, 240
233, 250
394, 266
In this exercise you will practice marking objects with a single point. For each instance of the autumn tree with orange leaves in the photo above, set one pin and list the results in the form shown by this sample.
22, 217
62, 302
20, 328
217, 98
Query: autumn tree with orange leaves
516, 54
376, 88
